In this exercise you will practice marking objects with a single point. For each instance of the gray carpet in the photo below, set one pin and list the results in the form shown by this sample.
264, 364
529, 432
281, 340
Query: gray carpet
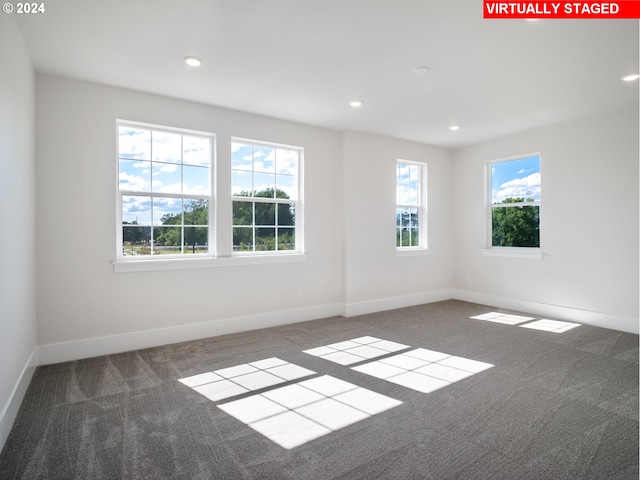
553, 406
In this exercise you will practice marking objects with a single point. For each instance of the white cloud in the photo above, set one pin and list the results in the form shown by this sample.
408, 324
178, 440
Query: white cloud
167, 168
133, 183
526, 187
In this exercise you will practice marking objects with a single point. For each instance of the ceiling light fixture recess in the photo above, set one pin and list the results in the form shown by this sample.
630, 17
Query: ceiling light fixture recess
453, 128
422, 70
631, 77
193, 61
355, 103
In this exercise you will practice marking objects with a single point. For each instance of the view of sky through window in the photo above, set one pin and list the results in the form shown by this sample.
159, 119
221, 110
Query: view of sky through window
519, 178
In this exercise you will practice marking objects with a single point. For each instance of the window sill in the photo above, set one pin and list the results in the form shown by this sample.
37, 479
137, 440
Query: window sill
149, 265
411, 252
513, 252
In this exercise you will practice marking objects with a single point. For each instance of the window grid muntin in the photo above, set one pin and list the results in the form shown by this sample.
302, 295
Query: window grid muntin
150, 194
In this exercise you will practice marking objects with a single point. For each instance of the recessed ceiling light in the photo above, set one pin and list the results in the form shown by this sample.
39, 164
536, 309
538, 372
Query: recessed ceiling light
453, 128
631, 77
193, 61
422, 70
355, 103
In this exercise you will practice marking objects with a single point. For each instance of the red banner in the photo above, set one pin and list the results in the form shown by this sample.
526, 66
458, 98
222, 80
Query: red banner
540, 10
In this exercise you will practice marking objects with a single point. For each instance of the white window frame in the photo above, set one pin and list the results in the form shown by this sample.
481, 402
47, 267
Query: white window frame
298, 250
534, 253
122, 259
421, 205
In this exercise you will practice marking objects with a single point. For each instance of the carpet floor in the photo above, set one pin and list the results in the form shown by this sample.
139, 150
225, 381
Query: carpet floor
424, 392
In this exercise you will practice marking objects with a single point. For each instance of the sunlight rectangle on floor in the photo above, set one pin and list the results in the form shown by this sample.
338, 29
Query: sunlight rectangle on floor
356, 350
248, 377
505, 318
296, 414
555, 326
423, 370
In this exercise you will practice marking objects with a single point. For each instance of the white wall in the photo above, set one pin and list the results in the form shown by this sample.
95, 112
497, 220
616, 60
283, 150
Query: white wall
375, 278
589, 222
80, 298
18, 212
86, 309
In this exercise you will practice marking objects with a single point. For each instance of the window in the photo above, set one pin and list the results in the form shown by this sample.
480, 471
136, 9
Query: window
410, 205
265, 187
164, 192
515, 202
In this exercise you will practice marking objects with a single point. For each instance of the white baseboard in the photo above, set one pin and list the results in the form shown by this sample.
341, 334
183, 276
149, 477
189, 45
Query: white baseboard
556, 312
390, 303
10, 410
92, 347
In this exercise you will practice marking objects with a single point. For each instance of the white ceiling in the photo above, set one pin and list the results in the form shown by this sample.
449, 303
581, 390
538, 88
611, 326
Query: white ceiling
304, 60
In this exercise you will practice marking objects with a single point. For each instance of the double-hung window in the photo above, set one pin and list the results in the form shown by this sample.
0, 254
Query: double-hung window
164, 193
410, 205
266, 197
514, 202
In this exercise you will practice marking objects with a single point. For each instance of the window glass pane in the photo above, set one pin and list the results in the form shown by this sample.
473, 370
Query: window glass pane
195, 180
286, 187
196, 212
405, 217
286, 162
403, 174
195, 240
264, 159
265, 239
405, 239
413, 194
415, 237
241, 184
414, 174
167, 240
166, 147
265, 213
134, 143
166, 178
515, 226
135, 175
243, 239
243, 213
403, 194
286, 238
241, 156
264, 185
167, 211
413, 221
515, 180
136, 210
196, 150
287, 214
136, 240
